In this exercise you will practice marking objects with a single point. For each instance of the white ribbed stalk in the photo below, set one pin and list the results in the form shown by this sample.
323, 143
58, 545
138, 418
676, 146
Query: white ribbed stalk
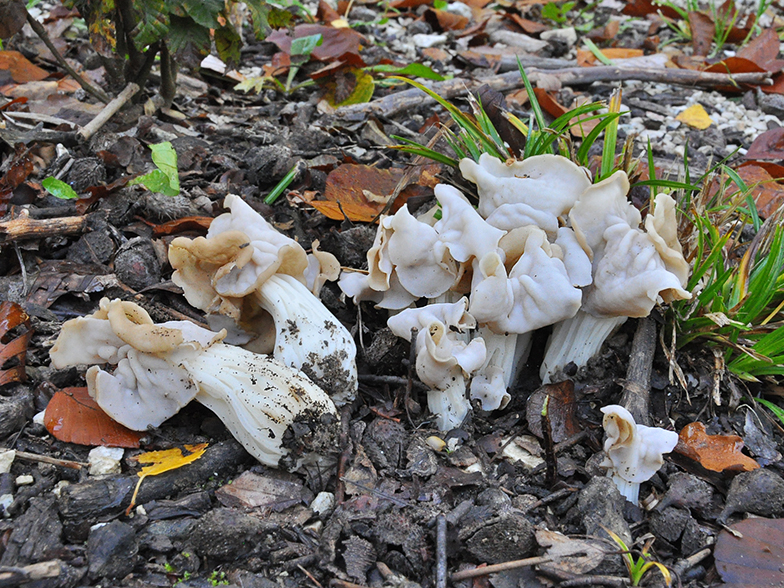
449, 406
576, 340
255, 396
308, 337
629, 490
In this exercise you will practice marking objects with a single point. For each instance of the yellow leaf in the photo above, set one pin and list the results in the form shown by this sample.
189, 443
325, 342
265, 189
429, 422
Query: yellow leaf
164, 461
695, 116
339, 23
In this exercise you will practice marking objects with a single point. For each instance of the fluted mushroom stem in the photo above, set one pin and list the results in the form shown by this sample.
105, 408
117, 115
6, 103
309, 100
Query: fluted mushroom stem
576, 340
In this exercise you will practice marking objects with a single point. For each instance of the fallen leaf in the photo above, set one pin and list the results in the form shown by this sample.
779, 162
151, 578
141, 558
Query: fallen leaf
752, 557
441, 20
187, 223
767, 193
646, 7
361, 192
530, 27
702, 29
763, 50
570, 556
714, 452
335, 41
15, 333
606, 33
695, 116
164, 461
21, 69
252, 490
73, 416
494, 105
349, 86
561, 410
17, 172
14, 18
769, 145
586, 58
548, 102
326, 13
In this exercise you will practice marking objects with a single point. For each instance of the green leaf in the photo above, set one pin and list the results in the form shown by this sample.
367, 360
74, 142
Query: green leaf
597, 53
153, 23
362, 92
163, 180
777, 410
418, 70
204, 12
306, 45
188, 41
259, 11
228, 43
59, 189
440, 4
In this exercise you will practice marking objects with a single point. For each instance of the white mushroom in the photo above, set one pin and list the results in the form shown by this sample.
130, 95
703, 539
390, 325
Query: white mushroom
444, 360
634, 452
160, 368
246, 270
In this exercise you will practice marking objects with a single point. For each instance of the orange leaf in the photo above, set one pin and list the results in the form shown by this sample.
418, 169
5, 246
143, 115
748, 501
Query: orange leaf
555, 109
441, 20
13, 347
714, 452
586, 58
354, 212
188, 223
73, 416
529, 26
767, 193
21, 69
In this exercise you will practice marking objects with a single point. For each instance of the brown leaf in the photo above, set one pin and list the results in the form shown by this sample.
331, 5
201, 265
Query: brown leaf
408, 3
646, 7
561, 410
20, 68
18, 171
752, 558
767, 193
362, 192
702, 29
252, 490
714, 452
72, 416
441, 20
326, 13
188, 223
494, 105
14, 17
15, 333
763, 51
335, 42
550, 105
769, 145
529, 26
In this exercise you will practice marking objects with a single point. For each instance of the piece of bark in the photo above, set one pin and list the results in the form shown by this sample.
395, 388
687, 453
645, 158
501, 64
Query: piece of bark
101, 499
35, 533
637, 387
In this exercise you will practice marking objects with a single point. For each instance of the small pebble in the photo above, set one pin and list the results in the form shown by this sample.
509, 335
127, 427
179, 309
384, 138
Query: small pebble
105, 460
323, 503
6, 460
24, 480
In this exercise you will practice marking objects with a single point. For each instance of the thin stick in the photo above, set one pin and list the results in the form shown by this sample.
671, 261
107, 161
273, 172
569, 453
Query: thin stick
39, 30
337, 583
575, 76
441, 551
66, 463
23, 227
108, 111
596, 581
502, 567
637, 387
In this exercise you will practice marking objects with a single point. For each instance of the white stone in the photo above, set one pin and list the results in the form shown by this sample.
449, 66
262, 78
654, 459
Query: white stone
24, 480
5, 502
105, 460
323, 503
567, 35
6, 459
58, 488
460, 9
424, 41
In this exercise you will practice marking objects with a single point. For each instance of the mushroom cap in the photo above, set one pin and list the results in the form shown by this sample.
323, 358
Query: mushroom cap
662, 228
461, 230
539, 288
322, 267
442, 358
549, 184
454, 315
634, 452
240, 252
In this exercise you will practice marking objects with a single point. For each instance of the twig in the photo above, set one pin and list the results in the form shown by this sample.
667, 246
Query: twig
23, 227
551, 475
66, 463
311, 577
596, 581
637, 387
346, 449
108, 111
557, 495
374, 492
14, 576
39, 30
441, 551
502, 567
391, 380
575, 76
337, 583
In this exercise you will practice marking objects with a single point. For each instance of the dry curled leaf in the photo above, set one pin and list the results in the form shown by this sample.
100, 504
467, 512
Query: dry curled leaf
753, 557
73, 416
15, 333
561, 410
714, 452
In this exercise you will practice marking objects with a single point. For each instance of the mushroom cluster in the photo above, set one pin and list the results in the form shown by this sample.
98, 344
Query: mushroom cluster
260, 286
544, 247
159, 368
